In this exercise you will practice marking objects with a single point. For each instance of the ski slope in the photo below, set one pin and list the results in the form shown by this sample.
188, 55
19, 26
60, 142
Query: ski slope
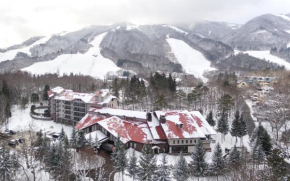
9, 55
91, 63
267, 56
192, 61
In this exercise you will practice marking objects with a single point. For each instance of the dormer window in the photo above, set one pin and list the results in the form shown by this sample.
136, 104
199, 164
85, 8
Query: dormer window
162, 119
179, 125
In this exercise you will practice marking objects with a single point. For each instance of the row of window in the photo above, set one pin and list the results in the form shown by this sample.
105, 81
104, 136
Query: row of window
183, 141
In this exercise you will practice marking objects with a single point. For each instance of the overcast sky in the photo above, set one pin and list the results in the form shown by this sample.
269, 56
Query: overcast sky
22, 19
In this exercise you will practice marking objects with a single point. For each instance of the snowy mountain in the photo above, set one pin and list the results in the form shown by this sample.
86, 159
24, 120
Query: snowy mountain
261, 33
98, 50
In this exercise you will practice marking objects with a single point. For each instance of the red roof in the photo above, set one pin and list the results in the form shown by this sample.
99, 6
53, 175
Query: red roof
89, 120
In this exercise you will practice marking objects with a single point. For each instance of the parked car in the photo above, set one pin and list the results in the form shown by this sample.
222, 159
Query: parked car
21, 140
55, 135
108, 147
12, 132
12, 142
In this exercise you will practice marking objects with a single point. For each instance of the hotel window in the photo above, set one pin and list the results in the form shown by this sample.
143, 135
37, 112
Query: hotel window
186, 141
190, 141
194, 141
177, 141
173, 142
182, 141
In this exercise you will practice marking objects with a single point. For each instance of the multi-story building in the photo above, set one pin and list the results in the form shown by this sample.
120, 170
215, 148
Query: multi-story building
167, 131
70, 107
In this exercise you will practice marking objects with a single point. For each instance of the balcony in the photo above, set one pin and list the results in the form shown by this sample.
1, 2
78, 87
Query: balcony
67, 112
67, 103
79, 114
79, 104
83, 110
67, 107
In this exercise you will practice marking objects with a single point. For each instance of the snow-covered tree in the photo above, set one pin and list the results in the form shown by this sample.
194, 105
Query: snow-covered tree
73, 138
147, 170
260, 136
39, 138
180, 170
223, 126
90, 140
242, 128
132, 167
163, 171
218, 164
198, 163
277, 166
96, 141
62, 133
234, 156
235, 126
81, 140
210, 119
119, 157
7, 165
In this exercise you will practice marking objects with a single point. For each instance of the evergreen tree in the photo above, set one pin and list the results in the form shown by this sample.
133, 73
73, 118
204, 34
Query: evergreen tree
62, 134
97, 143
6, 165
218, 164
73, 139
132, 167
225, 104
163, 171
277, 167
34, 98
90, 141
198, 163
116, 151
242, 128
115, 87
24, 102
45, 92
180, 171
210, 119
52, 158
236, 126
234, 156
223, 126
39, 138
81, 140
147, 170
258, 154
260, 136
5, 89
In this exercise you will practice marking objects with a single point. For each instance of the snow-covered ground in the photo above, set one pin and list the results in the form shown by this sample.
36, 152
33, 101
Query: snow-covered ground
267, 56
192, 61
175, 28
90, 63
9, 55
21, 121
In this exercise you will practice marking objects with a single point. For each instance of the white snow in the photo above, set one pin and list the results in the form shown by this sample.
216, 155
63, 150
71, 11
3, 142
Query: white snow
288, 31
267, 56
192, 61
101, 136
91, 63
288, 45
123, 112
21, 121
284, 17
260, 31
175, 28
9, 55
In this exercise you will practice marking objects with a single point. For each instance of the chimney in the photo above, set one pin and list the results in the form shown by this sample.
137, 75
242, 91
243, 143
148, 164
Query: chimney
179, 125
149, 116
162, 119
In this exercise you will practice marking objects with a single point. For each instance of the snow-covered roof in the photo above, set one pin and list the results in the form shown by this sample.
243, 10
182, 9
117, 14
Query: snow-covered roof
56, 90
103, 92
89, 120
69, 95
101, 136
193, 124
108, 99
156, 129
127, 130
202, 123
122, 112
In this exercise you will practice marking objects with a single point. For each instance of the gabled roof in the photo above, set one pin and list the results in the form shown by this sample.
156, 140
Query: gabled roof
156, 129
89, 120
136, 131
193, 124
122, 112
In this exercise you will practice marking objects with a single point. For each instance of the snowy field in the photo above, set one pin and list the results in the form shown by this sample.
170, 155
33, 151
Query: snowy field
192, 61
268, 57
21, 121
9, 55
90, 63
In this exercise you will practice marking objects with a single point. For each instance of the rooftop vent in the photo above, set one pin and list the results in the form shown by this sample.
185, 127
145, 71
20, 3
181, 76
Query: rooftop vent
162, 119
149, 116
179, 125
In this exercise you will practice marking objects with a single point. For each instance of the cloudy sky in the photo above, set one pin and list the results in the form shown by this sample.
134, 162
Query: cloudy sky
22, 19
